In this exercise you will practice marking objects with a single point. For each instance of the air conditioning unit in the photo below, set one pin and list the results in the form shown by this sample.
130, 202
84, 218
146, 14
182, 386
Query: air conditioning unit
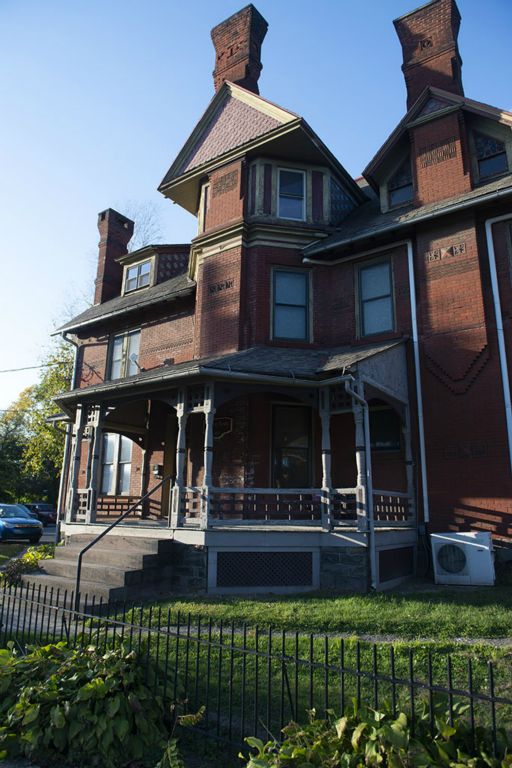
463, 558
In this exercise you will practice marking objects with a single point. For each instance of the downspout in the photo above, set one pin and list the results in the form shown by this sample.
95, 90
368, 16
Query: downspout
499, 326
369, 484
417, 376
67, 442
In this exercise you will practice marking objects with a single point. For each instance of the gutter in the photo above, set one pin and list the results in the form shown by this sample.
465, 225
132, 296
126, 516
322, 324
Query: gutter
499, 326
504, 192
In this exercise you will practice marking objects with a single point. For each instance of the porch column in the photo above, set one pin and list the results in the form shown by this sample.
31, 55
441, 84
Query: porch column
181, 414
209, 415
74, 466
361, 501
409, 464
325, 418
94, 460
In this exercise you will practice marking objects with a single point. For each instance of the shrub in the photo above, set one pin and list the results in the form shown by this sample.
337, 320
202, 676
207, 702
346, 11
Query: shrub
27, 563
371, 738
91, 708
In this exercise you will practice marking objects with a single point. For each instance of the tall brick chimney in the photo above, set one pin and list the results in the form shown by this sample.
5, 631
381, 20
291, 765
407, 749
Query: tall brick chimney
115, 234
428, 37
237, 42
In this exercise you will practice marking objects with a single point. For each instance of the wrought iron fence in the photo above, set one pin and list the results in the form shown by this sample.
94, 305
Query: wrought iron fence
253, 680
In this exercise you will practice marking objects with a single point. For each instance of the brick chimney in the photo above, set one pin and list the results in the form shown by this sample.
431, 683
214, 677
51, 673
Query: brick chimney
237, 42
428, 37
115, 234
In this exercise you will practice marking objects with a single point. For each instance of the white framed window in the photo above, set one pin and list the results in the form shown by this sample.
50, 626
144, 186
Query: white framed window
116, 465
376, 298
290, 306
124, 355
137, 276
291, 194
204, 205
400, 189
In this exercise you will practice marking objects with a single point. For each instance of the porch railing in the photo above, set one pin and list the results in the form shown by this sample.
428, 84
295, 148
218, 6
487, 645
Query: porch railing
392, 508
267, 504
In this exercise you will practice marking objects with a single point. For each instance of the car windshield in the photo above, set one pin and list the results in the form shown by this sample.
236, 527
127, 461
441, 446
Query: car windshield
13, 510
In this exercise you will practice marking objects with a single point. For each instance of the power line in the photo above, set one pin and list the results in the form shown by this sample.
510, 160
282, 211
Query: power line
32, 367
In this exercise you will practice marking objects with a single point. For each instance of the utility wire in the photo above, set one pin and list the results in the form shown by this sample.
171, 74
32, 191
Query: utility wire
32, 367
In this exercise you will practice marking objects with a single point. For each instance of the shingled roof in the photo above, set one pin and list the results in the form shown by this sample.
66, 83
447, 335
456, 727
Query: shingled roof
169, 290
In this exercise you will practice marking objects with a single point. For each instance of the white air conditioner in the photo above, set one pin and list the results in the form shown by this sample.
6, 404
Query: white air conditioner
463, 558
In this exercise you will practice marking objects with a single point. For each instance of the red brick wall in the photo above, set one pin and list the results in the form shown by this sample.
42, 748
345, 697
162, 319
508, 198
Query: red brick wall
218, 304
226, 196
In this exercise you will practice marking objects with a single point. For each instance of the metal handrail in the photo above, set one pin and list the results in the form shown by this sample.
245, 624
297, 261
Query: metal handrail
104, 533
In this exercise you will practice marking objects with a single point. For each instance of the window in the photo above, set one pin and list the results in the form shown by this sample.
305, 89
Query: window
203, 207
291, 195
291, 300
124, 355
137, 276
291, 446
116, 464
491, 156
400, 184
376, 298
385, 427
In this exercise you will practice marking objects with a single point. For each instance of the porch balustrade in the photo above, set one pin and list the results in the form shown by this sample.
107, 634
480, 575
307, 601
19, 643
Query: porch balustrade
391, 508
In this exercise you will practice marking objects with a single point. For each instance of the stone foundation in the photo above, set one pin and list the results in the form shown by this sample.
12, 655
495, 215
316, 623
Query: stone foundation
344, 569
190, 568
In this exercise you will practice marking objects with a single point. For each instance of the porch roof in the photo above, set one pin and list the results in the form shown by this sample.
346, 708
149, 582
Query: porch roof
285, 363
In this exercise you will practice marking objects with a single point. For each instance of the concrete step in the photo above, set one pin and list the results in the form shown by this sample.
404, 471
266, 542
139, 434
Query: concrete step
112, 542
106, 573
63, 587
123, 558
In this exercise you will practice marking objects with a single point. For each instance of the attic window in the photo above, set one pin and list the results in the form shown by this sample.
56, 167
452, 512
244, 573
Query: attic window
491, 156
291, 194
400, 184
137, 276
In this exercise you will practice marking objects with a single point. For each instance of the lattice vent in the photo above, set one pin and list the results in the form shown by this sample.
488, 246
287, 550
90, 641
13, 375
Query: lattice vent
264, 569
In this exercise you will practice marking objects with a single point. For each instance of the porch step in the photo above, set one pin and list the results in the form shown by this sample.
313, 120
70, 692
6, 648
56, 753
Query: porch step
116, 569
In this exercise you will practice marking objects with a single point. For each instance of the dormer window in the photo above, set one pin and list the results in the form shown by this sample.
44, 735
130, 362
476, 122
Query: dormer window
400, 189
137, 276
291, 196
491, 156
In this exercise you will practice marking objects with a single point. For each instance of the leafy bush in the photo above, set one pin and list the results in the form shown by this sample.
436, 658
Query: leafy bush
91, 708
27, 563
371, 738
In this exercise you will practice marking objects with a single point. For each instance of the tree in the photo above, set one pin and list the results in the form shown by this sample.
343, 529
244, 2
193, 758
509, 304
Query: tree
30, 448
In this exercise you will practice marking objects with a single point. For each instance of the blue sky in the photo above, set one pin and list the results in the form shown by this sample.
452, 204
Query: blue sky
98, 97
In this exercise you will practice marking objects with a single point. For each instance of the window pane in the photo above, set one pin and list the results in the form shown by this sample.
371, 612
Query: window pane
131, 284
291, 183
290, 323
493, 165
385, 429
291, 208
124, 478
108, 448
131, 273
106, 480
291, 447
125, 449
291, 288
291, 426
377, 316
132, 351
375, 281
400, 195
145, 268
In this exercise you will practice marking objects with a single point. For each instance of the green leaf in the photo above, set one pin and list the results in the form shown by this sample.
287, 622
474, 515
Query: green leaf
31, 714
356, 736
341, 726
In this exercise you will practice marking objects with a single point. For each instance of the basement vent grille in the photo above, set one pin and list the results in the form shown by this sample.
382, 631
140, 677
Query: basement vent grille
264, 569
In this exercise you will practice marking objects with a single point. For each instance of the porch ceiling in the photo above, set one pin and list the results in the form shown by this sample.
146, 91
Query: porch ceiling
291, 366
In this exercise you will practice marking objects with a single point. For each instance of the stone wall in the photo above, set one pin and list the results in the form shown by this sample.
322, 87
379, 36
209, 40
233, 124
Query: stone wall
190, 568
344, 569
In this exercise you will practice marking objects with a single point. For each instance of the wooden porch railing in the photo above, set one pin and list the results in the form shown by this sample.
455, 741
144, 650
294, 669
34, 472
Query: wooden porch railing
266, 504
391, 508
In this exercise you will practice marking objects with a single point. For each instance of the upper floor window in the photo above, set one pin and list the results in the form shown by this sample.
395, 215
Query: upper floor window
116, 464
400, 189
137, 276
376, 298
291, 305
291, 195
491, 156
124, 355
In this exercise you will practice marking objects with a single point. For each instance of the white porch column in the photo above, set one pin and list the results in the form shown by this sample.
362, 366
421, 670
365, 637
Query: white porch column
181, 414
325, 418
361, 491
74, 465
409, 464
94, 461
209, 415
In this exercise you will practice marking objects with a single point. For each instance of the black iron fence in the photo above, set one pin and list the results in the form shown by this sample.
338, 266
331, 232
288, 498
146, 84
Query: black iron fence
253, 680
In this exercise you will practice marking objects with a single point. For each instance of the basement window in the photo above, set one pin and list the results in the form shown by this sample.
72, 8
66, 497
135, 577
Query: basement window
137, 276
400, 190
491, 156
291, 194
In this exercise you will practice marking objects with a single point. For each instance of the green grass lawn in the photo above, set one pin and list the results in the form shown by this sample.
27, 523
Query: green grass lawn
10, 550
443, 614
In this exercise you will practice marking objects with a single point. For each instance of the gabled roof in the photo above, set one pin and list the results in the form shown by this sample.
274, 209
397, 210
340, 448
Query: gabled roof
433, 103
169, 290
238, 121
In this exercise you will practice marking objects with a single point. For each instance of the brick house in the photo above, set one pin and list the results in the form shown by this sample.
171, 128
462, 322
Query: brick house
323, 372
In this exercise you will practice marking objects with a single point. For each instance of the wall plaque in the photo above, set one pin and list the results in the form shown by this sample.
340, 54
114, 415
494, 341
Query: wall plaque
225, 183
437, 153
222, 285
438, 254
